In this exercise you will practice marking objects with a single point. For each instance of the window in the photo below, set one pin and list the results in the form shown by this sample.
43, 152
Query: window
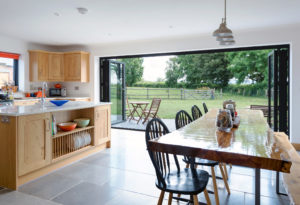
9, 69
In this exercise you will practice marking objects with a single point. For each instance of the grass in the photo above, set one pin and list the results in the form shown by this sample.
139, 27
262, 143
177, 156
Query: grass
169, 108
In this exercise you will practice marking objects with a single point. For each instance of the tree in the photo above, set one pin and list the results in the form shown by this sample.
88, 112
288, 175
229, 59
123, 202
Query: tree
251, 65
173, 72
199, 69
133, 70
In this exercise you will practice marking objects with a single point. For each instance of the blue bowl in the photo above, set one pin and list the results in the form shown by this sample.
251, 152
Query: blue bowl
59, 102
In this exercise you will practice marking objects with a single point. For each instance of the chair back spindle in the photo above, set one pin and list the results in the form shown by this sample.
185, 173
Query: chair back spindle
182, 119
161, 162
196, 112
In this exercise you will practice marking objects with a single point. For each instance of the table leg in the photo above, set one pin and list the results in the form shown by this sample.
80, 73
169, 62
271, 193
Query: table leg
142, 109
257, 186
133, 111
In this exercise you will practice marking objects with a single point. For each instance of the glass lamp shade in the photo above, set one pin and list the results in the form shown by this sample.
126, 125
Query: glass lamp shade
222, 31
225, 38
227, 43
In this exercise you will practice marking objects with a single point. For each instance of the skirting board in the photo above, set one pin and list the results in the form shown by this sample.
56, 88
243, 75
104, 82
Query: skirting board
297, 146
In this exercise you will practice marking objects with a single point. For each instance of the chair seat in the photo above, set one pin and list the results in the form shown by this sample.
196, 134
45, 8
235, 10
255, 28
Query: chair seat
185, 182
204, 162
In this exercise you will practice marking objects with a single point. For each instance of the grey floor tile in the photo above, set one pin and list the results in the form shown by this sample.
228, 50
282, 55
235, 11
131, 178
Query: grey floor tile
281, 200
130, 198
49, 186
87, 194
135, 182
8, 197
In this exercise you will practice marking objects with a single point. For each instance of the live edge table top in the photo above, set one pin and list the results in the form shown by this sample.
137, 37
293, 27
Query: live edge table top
252, 144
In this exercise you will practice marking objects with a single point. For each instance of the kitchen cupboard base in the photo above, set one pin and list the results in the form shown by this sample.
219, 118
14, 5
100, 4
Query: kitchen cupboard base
59, 164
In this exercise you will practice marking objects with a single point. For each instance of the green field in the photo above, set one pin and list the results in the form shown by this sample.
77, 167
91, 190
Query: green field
169, 108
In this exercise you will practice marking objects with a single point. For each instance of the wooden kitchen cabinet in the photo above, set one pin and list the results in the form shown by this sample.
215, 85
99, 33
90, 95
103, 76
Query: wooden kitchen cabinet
34, 142
102, 125
56, 67
38, 66
76, 66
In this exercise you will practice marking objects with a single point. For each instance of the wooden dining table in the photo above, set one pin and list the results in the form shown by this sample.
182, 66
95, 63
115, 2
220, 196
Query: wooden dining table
252, 144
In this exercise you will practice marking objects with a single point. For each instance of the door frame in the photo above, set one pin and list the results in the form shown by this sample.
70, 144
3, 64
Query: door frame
107, 78
220, 50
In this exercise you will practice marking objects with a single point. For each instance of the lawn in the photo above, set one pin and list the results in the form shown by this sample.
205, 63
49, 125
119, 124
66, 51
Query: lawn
169, 108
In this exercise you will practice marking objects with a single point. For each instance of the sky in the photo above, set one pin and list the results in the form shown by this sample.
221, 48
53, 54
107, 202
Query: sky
154, 67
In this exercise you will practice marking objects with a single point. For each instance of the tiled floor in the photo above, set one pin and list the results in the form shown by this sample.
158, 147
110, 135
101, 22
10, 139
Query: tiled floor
140, 126
123, 175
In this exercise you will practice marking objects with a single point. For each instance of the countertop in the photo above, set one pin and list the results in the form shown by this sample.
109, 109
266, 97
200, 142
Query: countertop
48, 98
11, 110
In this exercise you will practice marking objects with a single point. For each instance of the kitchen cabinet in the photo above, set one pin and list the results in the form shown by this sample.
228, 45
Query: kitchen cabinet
102, 125
76, 66
56, 67
34, 142
38, 66
59, 66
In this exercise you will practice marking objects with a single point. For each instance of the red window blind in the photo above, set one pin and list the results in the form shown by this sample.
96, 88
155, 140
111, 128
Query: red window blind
9, 55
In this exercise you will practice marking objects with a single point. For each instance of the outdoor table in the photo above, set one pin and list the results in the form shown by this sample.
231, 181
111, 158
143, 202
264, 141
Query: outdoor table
252, 144
138, 108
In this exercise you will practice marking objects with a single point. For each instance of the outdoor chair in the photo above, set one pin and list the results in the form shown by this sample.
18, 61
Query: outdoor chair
182, 119
129, 110
152, 112
174, 180
205, 107
196, 112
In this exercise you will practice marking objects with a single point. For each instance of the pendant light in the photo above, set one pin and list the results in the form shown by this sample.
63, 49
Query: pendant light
224, 35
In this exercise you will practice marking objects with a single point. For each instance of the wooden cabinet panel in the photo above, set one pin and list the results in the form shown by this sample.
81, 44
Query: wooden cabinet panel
102, 125
56, 67
77, 66
43, 66
72, 63
34, 142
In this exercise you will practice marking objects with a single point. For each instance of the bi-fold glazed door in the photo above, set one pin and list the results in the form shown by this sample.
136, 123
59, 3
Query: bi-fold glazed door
112, 88
278, 92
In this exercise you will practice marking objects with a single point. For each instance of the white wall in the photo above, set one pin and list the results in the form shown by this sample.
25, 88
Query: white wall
269, 36
13, 45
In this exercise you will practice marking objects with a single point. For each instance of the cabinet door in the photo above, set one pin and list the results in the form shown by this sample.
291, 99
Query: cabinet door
34, 142
72, 67
102, 124
43, 66
56, 67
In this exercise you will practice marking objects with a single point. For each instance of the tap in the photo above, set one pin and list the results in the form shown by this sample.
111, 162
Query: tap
44, 89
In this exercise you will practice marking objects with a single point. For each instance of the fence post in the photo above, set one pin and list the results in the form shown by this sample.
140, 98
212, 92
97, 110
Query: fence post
168, 93
184, 94
147, 93
181, 93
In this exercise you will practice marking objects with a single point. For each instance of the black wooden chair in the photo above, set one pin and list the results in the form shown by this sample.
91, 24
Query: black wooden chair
187, 181
182, 119
205, 107
196, 112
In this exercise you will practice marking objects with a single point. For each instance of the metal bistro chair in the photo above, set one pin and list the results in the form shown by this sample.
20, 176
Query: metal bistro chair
205, 107
196, 112
182, 119
152, 112
187, 181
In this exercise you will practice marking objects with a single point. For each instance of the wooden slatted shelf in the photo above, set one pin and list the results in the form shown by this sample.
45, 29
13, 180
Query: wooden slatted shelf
62, 133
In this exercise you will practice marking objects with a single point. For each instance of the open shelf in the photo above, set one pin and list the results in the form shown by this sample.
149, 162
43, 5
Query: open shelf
62, 133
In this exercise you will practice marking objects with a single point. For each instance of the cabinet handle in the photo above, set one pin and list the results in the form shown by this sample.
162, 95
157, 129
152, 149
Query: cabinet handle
47, 125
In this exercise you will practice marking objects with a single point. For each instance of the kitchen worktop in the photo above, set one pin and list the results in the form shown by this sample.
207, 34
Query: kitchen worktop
12, 110
48, 98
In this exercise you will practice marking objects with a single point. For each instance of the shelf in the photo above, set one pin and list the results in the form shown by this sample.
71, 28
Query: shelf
61, 133
55, 159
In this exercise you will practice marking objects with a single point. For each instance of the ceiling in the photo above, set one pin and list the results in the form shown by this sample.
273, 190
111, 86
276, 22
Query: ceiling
127, 20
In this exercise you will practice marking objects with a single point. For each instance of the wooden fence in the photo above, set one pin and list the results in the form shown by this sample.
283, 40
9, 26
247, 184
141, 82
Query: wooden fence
172, 93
